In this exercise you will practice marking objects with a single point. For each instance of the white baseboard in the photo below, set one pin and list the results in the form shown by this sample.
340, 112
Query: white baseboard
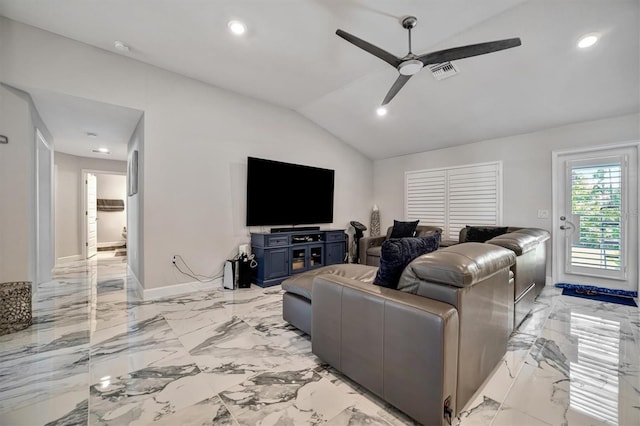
549, 280
111, 243
67, 259
133, 283
177, 289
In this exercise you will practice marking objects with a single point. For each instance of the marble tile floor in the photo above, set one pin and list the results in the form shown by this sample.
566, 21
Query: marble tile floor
97, 354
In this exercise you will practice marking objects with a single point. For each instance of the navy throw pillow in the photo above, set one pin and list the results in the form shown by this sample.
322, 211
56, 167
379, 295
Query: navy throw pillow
403, 229
479, 234
398, 253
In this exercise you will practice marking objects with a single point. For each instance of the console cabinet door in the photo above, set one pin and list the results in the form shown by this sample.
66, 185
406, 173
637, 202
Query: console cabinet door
316, 256
277, 263
335, 253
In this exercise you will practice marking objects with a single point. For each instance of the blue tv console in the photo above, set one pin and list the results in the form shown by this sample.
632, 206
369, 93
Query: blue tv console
282, 254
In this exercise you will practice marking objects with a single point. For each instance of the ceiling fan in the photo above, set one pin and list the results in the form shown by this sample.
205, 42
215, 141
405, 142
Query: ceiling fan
411, 63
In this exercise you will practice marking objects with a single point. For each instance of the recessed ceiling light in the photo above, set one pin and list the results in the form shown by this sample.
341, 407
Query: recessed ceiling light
102, 151
237, 27
382, 111
120, 46
92, 135
588, 40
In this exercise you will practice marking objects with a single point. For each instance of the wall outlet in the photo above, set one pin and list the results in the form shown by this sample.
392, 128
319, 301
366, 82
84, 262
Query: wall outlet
243, 249
543, 214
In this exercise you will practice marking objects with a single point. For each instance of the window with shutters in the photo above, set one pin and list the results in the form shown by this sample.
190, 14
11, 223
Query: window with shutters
455, 197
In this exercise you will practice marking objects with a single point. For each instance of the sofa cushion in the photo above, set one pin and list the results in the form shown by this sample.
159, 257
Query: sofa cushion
374, 251
480, 234
302, 284
403, 229
398, 253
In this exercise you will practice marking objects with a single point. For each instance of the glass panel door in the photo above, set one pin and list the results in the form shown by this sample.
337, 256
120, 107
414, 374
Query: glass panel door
315, 256
596, 209
298, 259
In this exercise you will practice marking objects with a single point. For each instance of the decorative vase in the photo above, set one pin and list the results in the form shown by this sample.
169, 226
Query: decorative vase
375, 222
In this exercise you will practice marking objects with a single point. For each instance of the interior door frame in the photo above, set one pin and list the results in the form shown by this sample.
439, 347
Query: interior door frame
557, 239
44, 254
84, 208
83, 205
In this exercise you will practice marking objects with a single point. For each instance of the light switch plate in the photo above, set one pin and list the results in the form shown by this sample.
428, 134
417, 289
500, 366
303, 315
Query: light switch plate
543, 214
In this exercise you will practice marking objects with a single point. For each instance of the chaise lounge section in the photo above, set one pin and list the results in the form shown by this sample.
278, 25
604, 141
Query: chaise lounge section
425, 348
530, 247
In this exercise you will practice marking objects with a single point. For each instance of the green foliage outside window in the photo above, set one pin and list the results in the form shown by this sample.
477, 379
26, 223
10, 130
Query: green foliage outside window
595, 197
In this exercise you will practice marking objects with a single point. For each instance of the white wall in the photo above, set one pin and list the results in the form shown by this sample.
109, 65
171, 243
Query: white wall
68, 199
196, 142
110, 224
526, 166
135, 206
18, 121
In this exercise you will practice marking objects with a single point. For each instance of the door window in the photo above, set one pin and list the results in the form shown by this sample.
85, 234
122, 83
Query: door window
596, 204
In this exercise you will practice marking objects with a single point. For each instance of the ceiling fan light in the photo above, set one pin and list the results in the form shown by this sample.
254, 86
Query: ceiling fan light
410, 67
588, 40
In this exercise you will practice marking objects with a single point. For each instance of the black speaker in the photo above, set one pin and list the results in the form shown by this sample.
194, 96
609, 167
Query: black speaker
244, 273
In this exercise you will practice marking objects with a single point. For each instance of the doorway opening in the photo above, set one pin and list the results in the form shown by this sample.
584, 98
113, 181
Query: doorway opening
595, 208
105, 213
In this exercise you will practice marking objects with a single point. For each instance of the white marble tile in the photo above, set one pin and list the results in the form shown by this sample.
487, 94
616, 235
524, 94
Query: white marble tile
31, 378
148, 395
207, 412
511, 417
291, 393
225, 357
481, 410
232, 351
69, 408
354, 416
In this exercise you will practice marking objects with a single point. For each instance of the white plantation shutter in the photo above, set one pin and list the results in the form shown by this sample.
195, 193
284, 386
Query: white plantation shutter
455, 197
425, 197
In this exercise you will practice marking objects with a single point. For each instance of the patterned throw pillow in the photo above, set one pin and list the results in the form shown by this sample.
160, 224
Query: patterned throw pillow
398, 253
479, 234
403, 229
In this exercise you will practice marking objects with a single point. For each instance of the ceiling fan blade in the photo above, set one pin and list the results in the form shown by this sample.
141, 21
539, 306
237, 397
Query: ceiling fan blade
468, 51
399, 83
392, 60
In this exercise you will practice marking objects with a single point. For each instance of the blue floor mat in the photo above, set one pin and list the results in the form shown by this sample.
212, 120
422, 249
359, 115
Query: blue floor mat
621, 300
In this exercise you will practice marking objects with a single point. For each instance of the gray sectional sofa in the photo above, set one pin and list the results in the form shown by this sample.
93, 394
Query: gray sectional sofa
426, 347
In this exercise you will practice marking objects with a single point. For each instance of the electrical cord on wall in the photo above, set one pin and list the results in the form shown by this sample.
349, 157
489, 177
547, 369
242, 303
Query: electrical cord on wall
178, 261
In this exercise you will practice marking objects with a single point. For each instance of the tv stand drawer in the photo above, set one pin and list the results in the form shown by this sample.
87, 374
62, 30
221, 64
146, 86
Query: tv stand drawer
277, 241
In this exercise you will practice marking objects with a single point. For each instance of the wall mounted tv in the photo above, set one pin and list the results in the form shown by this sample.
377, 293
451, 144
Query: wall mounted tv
288, 194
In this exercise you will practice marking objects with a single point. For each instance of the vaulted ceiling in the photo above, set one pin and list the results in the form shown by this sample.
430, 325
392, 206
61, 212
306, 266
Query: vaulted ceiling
290, 56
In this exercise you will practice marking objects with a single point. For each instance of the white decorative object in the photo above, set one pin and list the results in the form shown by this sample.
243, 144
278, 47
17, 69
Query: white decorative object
375, 221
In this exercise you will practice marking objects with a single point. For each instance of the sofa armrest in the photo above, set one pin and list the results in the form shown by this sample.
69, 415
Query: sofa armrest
400, 346
367, 242
522, 241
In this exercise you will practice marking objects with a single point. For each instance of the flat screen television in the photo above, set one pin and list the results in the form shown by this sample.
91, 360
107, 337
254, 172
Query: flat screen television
288, 194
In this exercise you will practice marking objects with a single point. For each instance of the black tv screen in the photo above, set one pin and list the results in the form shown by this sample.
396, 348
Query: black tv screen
288, 194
